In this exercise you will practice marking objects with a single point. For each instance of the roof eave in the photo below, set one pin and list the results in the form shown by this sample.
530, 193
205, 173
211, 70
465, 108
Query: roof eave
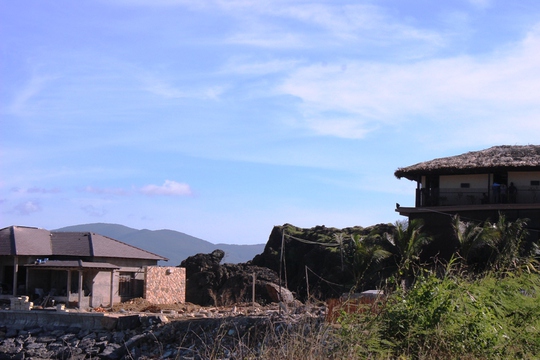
415, 174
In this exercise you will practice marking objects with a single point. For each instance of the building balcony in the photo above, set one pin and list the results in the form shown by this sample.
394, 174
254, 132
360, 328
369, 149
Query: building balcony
472, 197
475, 204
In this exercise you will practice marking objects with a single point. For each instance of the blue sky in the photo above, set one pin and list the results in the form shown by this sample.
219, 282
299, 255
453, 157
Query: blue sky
221, 119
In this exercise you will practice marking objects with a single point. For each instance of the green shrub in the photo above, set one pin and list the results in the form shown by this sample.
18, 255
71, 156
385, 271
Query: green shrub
492, 317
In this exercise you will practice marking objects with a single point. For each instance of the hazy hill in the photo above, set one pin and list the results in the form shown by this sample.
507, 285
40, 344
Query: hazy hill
171, 244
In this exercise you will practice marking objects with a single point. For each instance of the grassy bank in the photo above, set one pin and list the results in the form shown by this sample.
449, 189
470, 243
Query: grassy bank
496, 316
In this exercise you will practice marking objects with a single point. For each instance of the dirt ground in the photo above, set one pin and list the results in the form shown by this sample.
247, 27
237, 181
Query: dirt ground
142, 305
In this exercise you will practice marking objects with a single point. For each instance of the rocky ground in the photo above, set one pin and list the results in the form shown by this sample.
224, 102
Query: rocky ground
182, 331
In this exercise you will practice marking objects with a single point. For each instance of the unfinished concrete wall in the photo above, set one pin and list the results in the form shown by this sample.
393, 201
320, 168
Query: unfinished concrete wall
101, 289
165, 284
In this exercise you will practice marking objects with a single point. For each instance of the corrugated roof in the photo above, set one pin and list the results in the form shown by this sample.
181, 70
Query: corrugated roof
496, 158
20, 240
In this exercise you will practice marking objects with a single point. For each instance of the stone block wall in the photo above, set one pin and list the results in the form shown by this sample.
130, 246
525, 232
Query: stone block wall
21, 303
165, 284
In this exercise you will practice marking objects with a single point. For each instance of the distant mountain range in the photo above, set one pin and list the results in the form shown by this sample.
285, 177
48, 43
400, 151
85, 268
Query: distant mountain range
174, 245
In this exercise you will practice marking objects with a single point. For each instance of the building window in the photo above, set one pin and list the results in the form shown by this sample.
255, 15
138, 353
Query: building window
465, 185
535, 183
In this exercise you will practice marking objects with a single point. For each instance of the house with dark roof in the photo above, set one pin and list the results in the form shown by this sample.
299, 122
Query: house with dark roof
81, 268
478, 186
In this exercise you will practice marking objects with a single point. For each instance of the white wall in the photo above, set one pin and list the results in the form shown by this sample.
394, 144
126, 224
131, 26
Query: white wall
476, 181
522, 179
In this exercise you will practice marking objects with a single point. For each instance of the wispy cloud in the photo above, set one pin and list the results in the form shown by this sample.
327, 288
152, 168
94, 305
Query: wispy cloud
330, 25
163, 89
21, 102
482, 4
106, 191
153, 3
35, 190
469, 89
166, 90
355, 22
257, 67
347, 128
169, 188
266, 37
94, 211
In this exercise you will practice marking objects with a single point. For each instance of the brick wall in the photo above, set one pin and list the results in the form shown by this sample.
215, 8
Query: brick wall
165, 284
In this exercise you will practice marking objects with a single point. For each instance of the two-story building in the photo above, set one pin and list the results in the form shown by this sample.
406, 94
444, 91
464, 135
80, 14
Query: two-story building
478, 186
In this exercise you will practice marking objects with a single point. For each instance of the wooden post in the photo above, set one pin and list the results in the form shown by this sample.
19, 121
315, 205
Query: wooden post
253, 290
307, 282
281, 265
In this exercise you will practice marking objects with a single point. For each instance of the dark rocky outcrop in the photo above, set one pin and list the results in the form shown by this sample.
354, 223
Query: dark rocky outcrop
210, 283
313, 251
328, 267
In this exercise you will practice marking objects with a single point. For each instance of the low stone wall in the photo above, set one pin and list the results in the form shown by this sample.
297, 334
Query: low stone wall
49, 335
15, 319
165, 284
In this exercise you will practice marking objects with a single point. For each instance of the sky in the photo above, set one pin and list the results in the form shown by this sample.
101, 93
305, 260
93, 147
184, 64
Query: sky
222, 119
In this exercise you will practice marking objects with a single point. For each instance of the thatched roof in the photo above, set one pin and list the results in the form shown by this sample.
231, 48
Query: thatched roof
497, 158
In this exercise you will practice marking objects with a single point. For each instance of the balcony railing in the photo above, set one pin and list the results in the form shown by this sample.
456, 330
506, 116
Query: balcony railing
471, 196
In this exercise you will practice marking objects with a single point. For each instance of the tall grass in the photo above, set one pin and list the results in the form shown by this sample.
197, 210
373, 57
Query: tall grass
496, 316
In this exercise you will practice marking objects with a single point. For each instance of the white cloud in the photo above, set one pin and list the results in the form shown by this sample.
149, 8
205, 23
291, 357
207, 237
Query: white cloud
27, 208
169, 188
